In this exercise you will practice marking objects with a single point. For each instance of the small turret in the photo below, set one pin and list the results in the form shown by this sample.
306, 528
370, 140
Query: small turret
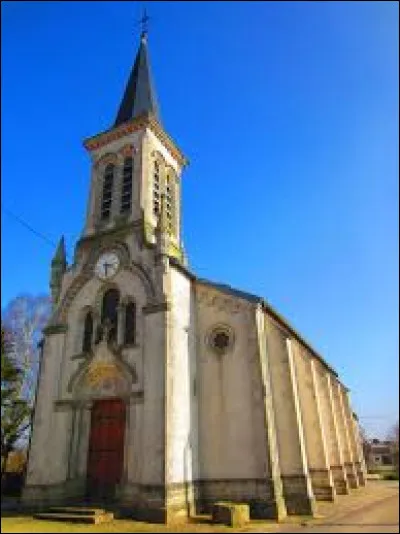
58, 268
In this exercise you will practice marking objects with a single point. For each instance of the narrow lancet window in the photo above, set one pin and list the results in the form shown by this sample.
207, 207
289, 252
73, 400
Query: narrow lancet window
130, 323
109, 313
107, 191
169, 200
126, 195
87, 332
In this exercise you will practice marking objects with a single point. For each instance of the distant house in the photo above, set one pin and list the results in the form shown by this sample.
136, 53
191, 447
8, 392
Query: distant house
381, 455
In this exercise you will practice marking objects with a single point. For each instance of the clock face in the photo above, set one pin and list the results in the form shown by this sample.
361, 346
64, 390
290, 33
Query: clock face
107, 265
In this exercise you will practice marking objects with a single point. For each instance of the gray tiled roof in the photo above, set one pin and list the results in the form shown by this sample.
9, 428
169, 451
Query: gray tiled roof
139, 96
257, 300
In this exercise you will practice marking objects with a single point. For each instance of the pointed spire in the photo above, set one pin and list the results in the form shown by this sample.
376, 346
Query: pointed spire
60, 256
139, 96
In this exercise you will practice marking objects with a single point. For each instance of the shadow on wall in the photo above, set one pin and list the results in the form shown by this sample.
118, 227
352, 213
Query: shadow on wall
12, 484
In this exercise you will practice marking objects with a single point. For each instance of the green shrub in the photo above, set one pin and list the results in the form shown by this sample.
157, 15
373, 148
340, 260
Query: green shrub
391, 476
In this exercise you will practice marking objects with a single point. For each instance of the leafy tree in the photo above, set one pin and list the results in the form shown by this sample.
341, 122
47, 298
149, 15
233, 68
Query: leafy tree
15, 411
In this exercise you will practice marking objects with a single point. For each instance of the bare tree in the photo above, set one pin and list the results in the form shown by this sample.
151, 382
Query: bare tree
15, 412
25, 316
366, 445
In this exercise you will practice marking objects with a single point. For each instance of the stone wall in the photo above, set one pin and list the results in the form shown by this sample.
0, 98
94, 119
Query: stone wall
297, 490
232, 447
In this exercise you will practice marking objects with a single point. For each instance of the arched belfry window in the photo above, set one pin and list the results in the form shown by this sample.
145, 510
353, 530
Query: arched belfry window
156, 188
109, 312
130, 323
126, 195
107, 191
87, 332
170, 200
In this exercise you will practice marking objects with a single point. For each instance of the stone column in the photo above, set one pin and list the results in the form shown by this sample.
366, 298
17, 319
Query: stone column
76, 482
344, 438
73, 442
348, 416
121, 309
334, 449
82, 445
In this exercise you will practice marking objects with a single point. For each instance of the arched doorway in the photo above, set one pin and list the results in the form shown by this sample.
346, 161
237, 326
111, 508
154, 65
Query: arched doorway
106, 448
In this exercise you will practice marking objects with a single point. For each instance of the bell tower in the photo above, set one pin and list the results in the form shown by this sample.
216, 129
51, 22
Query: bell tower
136, 168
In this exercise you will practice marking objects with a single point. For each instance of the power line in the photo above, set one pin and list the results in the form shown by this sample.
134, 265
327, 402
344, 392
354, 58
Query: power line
30, 228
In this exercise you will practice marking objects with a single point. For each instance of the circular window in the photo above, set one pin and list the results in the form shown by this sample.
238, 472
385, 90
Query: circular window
221, 339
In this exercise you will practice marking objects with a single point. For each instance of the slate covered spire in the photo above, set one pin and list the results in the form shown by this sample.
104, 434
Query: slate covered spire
60, 257
139, 96
58, 268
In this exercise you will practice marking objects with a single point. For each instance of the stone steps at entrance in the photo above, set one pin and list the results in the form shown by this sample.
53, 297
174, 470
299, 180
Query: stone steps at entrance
76, 514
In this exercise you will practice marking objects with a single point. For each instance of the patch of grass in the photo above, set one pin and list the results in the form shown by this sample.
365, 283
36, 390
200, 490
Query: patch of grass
31, 525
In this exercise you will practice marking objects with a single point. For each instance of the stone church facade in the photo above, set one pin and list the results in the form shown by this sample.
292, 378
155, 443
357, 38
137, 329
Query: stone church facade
161, 392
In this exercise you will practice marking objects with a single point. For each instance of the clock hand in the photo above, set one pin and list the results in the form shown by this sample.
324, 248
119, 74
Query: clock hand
106, 265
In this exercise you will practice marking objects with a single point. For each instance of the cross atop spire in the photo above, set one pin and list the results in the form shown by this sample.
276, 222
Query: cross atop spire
144, 21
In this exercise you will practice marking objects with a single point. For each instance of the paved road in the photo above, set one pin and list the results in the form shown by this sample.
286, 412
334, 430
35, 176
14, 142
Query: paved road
379, 516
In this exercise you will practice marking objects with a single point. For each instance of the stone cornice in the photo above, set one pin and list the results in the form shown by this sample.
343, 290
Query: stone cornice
143, 121
55, 329
155, 308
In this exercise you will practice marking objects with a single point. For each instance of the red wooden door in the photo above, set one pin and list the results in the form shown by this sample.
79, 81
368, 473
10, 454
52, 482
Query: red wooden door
106, 447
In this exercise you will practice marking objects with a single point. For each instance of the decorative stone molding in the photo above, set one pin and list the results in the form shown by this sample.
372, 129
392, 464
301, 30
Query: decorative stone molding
58, 328
108, 236
141, 271
146, 120
157, 156
71, 293
106, 159
113, 362
77, 284
127, 150
155, 308
220, 302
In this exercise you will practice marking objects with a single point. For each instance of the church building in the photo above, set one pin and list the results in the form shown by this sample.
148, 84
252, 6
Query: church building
160, 392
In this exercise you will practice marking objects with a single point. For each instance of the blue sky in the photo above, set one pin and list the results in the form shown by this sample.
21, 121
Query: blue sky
288, 113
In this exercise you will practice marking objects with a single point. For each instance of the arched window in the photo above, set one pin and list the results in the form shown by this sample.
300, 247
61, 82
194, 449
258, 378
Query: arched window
109, 311
126, 195
156, 188
87, 332
169, 200
107, 191
130, 323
